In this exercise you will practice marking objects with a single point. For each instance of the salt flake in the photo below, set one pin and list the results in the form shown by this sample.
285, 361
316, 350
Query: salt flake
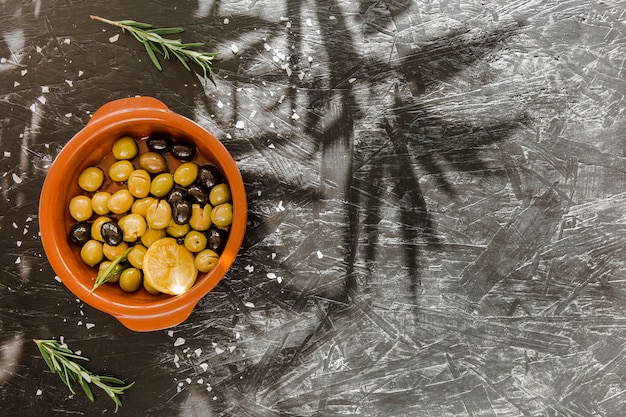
219, 351
114, 38
70, 83
309, 23
249, 304
234, 48
204, 366
16, 178
240, 124
271, 275
179, 342
90, 325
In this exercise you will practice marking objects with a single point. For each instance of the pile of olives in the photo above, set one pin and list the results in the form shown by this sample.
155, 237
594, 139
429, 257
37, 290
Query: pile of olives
145, 190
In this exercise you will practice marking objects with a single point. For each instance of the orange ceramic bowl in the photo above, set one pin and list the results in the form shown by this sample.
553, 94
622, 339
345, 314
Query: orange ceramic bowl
137, 117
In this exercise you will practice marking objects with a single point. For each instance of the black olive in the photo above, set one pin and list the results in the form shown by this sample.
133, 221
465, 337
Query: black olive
197, 194
181, 212
177, 194
209, 176
216, 239
80, 233
112, 233
183, 150
159, 142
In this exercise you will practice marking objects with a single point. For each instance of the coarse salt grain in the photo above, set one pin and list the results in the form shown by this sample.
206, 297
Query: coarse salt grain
114, 38
90, 325
39, 392
271, 275
7, 153
16, 178
45, 89
24, 72
249, 268
198, 352
220, 104
170, 333
70, 83
295, 116
219, 351
267, 47
226, 21
179, 342
234, 48
240, 124
309, 23
249, 304
204, 366
320, 255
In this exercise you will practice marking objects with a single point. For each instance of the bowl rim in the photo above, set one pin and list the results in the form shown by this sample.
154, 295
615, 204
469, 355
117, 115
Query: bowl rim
165, 311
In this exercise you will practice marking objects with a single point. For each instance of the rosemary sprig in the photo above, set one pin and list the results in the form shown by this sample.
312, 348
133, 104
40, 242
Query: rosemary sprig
155, 43
62, 361
112, 270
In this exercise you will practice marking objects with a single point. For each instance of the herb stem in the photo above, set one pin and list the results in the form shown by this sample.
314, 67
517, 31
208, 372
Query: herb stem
62, 361
155, 43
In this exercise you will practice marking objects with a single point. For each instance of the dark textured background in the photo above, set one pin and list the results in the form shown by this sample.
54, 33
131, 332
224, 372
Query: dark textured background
436, 194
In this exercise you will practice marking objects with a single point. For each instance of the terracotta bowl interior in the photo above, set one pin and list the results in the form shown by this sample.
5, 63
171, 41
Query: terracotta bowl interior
88, 148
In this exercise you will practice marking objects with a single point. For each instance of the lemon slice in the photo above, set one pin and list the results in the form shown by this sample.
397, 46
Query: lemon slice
169, 267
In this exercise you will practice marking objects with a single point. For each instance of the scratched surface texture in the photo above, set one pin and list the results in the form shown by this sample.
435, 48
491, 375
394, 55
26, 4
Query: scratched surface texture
437, 205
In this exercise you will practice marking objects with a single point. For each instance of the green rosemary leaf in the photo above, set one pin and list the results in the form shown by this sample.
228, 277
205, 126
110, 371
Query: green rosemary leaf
153, 58
134, 24
166, 31
86, 389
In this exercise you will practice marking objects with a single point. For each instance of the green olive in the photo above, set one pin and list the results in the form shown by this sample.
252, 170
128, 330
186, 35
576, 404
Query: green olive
104, 265
133, 225
222, 215
121, 201
186, 174
120, 170
153, 162
177, 230
149, 288
91, 252
135, 256
206, 260
200, 217
125, 148
151, 236
114, 252
141, 206
139, 183
131, 279
219, 194
99, 202
91, 179
96, 227
195, 241
81, 208
159, 214
162, 184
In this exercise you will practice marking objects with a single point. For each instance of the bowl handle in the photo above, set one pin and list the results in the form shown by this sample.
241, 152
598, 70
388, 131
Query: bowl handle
128, 104
157, 321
